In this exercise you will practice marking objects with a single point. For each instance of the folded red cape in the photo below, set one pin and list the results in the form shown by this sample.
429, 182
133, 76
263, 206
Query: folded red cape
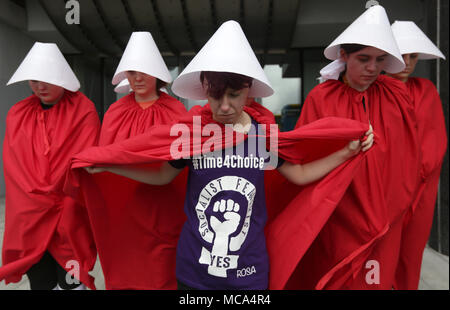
39, 216
364, 230
296, 216
432, 136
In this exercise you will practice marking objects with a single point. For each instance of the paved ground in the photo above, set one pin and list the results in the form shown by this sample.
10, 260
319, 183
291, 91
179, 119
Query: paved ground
434, 275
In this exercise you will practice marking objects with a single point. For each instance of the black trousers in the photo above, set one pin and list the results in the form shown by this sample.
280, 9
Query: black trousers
47, 273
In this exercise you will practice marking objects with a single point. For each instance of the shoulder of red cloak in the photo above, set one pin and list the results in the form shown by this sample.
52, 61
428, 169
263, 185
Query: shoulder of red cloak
259, 113
79, 97
113, 121
84, 108
422, 89
318, 98
22, 105
323, 95
112, 116
383, 78
168, 99
165, 100
203, 111
425, 81
197, 109
396, 87
335, 87
428, 90
119, 105
421, 84
81, 102
323, 90
171, 103
328, 85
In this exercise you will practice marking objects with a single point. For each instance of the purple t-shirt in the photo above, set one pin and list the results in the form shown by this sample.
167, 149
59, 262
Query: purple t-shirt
222, 244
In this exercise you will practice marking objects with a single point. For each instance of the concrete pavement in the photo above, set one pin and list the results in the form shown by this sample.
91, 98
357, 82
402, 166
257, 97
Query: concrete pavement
434, 274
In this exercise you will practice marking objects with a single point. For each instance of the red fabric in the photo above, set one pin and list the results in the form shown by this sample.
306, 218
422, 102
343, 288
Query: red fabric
136, 226
366, 224
39, 216
290, 230
433, 144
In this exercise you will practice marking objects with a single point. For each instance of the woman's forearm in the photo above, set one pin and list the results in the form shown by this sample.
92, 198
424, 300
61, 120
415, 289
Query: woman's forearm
315, 170
152, 176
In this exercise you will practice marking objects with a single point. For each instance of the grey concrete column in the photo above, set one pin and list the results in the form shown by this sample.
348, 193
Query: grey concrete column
438, 31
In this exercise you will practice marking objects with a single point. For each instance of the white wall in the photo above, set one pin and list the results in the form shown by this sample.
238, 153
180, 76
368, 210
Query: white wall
287, 90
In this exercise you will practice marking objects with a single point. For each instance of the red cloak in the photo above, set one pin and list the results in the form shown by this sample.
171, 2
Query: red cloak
135, 225
39, 217
359, 245
295, 215
433, 144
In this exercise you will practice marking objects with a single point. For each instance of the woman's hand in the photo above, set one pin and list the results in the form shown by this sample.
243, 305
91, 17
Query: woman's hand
315, 170
148, 175
367, 142
354, 147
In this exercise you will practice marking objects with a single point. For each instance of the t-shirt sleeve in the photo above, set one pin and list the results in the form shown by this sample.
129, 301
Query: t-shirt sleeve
178, 164
270, 161
280, 162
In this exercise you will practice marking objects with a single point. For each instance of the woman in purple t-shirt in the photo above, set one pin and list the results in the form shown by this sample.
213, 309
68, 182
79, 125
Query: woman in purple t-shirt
222, 244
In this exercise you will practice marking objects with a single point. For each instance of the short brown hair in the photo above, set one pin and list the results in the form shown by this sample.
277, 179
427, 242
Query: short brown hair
352, 48
218, 82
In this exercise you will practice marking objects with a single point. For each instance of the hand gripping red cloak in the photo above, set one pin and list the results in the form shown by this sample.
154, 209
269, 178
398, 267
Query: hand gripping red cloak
433, 144
359, 245
296, 214
39, 217
135, 225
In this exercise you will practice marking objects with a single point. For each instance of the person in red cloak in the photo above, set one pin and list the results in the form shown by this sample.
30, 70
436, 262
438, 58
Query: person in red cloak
222, 244
47, 234
415, 45
137, 239
358, 248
